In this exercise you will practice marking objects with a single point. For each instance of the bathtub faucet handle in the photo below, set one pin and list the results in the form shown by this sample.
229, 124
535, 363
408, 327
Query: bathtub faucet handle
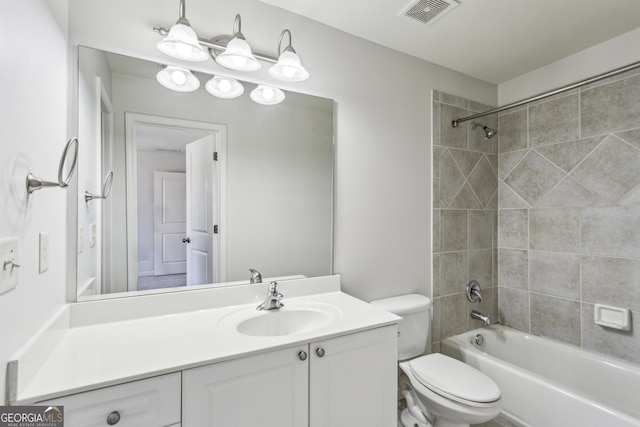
473, 291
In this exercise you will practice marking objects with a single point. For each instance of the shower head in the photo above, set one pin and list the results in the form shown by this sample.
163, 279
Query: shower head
488, 132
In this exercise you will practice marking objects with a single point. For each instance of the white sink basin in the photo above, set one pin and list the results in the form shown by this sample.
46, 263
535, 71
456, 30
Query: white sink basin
293, 318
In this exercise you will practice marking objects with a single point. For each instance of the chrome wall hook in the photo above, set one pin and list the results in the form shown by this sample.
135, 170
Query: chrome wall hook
106, 189
34, 183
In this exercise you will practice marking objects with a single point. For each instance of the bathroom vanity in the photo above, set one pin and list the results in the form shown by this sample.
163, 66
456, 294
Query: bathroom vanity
208, 357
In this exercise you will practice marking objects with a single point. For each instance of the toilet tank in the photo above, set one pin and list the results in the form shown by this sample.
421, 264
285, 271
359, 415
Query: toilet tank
415, 326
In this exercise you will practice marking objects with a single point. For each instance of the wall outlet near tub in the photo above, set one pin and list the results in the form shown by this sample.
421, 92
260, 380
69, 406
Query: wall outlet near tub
612, 317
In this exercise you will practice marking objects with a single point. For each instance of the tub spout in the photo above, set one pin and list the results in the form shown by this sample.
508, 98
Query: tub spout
475, 314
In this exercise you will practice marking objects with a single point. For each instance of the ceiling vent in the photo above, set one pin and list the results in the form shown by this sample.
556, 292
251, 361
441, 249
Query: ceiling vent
428, 11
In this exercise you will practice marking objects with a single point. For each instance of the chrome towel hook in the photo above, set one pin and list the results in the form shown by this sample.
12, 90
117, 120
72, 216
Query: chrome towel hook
34, 183
106, 189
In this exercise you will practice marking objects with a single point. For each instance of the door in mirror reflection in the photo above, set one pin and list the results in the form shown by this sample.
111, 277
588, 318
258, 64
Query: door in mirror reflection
177, 243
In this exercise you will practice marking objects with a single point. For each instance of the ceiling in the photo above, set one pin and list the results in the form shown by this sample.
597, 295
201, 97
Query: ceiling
492, 40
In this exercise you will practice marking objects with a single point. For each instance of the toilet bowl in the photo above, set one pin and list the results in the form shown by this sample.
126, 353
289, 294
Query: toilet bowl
451, 393
439, 390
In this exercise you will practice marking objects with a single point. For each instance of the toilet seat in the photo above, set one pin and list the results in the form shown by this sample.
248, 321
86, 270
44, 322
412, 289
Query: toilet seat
455, 380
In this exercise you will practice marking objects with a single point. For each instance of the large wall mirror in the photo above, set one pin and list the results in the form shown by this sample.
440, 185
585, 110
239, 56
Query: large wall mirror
177, 190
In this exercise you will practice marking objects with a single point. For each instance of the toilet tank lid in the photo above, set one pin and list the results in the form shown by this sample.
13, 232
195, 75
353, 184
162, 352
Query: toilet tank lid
403, 304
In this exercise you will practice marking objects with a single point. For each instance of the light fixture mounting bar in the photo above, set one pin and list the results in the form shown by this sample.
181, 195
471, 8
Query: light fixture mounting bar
219, 44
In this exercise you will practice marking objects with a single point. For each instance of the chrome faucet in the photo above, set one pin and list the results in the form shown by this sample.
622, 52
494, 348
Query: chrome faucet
475, 314
273, 300
256, 277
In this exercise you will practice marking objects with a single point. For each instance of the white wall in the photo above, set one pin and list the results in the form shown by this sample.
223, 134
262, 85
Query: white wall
383, 163
33, 132
615, 53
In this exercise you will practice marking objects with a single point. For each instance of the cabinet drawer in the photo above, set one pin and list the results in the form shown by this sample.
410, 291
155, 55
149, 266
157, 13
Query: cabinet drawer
153, 402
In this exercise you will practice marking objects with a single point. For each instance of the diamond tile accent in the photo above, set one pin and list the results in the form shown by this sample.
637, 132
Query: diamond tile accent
466, 160
507, 161
483, 181
534, 177
507, 199
567, 155
465, 199
631, 136
451, 178
611, 170
569, 193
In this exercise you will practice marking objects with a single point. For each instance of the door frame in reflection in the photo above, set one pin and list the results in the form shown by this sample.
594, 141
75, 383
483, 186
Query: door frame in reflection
219, 133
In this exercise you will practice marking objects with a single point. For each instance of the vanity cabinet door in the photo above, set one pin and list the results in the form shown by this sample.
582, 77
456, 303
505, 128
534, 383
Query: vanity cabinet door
353, 380
153, 402
267, 390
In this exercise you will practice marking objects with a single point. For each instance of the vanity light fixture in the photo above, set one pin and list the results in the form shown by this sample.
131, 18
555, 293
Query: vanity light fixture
231, 52
224, 87
288, 68
178, 79
182, 42
237, 55
267, 95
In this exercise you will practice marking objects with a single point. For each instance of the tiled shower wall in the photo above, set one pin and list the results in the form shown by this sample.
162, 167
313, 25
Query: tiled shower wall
569, 214
465, 202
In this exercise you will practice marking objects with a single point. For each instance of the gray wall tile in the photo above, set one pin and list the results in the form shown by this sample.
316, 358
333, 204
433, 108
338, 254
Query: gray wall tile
622, 101
454, 314
611, 232
555, 318
481, 229
480, 267
453, 229
513, 268
611, 281
554, 230
513, 308
513, 228
453, 272
555, 273
512, 132
554, 121
450, 136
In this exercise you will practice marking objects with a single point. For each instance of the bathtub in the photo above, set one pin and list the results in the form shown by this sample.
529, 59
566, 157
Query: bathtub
546, 383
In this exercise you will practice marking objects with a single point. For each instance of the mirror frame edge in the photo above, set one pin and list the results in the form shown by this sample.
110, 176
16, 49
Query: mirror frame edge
73, 73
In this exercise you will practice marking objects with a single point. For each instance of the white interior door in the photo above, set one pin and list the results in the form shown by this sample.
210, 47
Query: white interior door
202, 212
170, 223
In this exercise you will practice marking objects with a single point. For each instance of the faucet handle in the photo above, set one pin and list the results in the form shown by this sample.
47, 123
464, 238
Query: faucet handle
256, 277
473, 291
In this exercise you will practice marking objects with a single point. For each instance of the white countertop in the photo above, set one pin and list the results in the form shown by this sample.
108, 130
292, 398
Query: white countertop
90, 355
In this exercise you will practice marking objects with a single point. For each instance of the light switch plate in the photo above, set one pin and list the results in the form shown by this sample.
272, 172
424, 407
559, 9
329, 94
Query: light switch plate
9, 264
44, 253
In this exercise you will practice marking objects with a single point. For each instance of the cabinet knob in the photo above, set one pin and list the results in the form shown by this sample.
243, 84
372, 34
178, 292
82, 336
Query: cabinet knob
302, 355
320, 351
186, 240
113, 418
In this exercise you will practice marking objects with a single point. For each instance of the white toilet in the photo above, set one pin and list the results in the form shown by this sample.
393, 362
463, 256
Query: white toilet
441, 391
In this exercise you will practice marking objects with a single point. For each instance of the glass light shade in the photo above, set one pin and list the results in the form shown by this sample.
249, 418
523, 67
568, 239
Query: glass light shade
224, 87
178, 79
182, 43
237, 56
288, 68
267, 95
